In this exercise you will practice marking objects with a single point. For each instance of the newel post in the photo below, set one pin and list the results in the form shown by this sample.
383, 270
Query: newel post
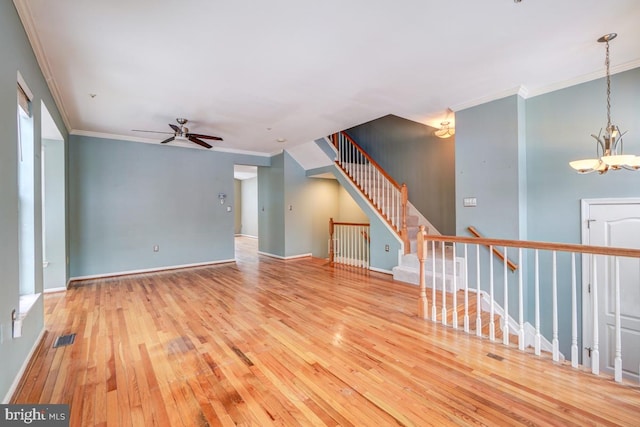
422, 256
331, 245
403, 232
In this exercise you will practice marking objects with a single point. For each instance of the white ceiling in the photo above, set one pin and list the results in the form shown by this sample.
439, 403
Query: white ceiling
254, 72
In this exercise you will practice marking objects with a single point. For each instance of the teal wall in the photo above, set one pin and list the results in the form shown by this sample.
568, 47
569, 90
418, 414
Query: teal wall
513, 155
17, 56
54, 216
271, 207
410, 153
249, 214
126, 197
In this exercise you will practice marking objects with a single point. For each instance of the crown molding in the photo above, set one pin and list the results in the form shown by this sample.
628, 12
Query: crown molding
520, 90
26, 17
526, 92
584, 78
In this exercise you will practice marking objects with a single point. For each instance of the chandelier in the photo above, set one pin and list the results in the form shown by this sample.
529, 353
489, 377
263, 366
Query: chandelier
446, 129
609, 155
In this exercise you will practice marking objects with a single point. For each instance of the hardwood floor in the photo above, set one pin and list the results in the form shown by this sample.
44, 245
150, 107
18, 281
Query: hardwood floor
270, 342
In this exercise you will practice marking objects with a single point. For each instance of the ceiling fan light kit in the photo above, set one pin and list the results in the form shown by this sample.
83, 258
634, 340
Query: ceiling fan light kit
181, 133
609, 155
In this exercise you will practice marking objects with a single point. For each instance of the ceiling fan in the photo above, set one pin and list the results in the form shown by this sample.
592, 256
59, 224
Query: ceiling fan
182, 133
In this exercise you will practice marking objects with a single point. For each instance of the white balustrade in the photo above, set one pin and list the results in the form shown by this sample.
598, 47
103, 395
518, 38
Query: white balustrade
551, 279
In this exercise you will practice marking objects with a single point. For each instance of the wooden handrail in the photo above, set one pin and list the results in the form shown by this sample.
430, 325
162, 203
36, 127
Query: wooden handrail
548, 246
512, 265
368, 157
404, 191
333, 224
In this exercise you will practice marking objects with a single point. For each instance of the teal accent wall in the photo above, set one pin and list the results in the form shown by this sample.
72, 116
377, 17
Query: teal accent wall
410, 153
488, 153
54, 215
249, 214
17, 56
559, 125
271, 207
513, 155
126, 197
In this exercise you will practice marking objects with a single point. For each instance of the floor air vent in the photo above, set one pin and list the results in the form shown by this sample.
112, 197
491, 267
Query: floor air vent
495, 356
63, 340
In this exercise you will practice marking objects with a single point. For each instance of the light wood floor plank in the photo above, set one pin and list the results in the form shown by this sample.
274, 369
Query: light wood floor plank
270, 342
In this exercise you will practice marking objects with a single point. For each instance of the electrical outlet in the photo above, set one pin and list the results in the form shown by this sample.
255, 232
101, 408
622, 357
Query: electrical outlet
386, 248
156, 248
228, 208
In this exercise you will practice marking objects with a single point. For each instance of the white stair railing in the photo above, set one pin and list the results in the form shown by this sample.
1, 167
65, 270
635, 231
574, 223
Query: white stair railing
387, 196
349, 243
554, 279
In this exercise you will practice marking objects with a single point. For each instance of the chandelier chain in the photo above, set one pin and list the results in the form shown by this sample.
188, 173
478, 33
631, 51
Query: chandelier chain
606, 63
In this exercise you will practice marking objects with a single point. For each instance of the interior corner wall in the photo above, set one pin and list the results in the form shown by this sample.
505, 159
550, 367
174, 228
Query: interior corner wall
237, 208
126, 197
410, 153
249, 214
54, 215
17, 56
488, 156
271, 207
559, 125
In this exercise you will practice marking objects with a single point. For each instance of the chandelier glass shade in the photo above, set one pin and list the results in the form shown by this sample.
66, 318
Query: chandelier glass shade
445, 130
609, 153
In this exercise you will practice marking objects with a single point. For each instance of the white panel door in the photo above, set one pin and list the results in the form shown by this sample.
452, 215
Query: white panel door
617, 225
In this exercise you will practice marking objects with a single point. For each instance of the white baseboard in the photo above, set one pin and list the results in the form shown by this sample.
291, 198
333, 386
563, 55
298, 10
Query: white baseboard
285, 257
529, 329
381, 270
52, 290
23, 368
246, 235
149, 270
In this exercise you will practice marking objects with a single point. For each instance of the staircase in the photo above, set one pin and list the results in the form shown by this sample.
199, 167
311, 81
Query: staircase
387, 197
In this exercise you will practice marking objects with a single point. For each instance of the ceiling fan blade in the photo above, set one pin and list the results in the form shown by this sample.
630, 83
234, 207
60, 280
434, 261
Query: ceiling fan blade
175, 128
199, 135
150, 131
168, 140
198, 141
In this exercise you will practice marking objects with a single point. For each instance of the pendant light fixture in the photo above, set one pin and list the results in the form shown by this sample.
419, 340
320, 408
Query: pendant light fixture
609, 147
446, 129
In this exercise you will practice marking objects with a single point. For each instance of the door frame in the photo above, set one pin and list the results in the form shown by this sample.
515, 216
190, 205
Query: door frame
587, 317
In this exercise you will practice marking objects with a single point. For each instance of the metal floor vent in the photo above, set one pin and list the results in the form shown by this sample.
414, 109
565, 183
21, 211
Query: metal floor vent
64, 340
495, 356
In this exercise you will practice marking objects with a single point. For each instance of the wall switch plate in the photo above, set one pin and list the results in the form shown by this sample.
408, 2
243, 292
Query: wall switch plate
156, 248
228, 208
469, 202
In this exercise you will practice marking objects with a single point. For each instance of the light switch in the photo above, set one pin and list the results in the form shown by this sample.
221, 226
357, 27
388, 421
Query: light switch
470, 202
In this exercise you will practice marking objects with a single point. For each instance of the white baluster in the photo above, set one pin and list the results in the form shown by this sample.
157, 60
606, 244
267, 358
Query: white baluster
520, 303
538, 337
505, 317
617, 361
454, 315
444, 286
434, 311
466, 292
595, 351
492, 325
478, 299
574, 313
555, 342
